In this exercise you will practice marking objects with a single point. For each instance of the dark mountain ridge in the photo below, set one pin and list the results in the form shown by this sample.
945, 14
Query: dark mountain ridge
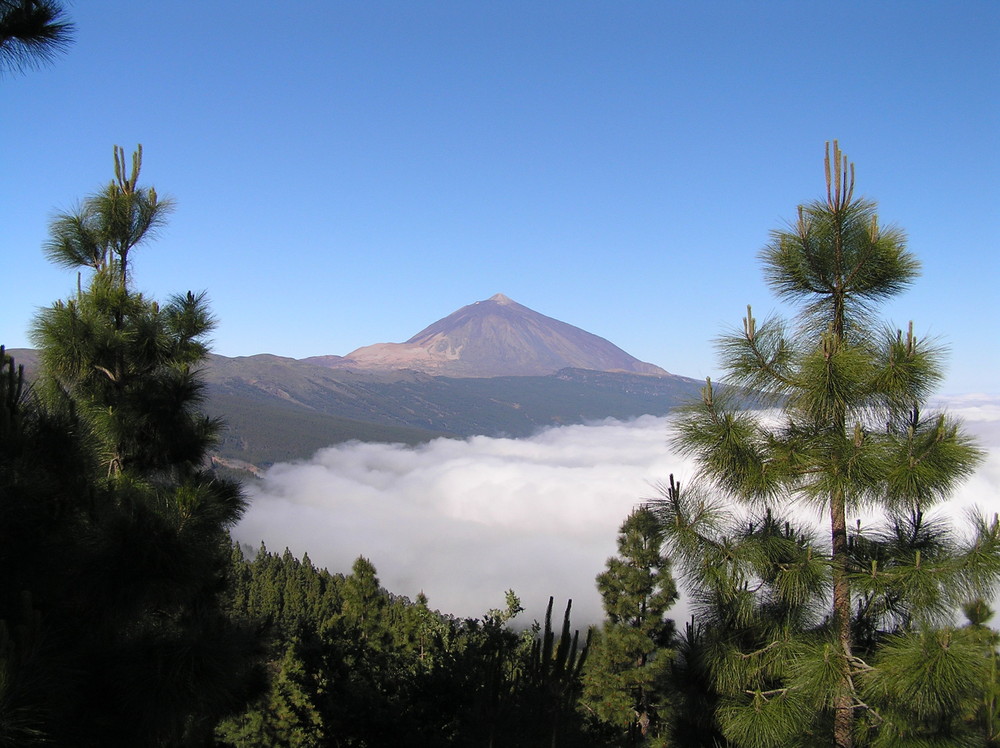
260, 395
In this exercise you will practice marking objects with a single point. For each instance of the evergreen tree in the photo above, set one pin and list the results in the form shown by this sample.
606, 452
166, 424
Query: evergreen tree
491, 666
365, 603
422, 631
124, 362
147, 554
694, 698
32, 32
290, 716
624, 682
552, 684
758, 588
853, 434
986, 717
359, 666
43, 473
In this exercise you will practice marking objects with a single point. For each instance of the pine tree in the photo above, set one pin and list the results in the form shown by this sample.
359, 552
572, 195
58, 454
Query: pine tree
126, 363
624, 681
853, 433
150, 531
494, 660
42, 472
986, 717
552, 683
32, 32
297, 721
693, 696
364, 603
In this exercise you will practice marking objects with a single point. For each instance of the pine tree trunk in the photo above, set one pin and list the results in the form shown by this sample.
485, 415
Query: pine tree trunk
843, 717
843, 720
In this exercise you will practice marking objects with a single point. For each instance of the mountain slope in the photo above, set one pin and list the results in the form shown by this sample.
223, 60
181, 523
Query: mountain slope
281, 409
493, 338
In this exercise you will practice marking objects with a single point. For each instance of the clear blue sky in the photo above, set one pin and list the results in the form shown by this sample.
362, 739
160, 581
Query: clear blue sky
349, 172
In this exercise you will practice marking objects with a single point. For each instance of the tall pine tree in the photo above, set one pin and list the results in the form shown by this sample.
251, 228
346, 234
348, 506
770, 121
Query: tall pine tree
853, 434
141, 598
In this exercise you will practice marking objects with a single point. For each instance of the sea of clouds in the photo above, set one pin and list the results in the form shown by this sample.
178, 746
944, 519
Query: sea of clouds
465, 520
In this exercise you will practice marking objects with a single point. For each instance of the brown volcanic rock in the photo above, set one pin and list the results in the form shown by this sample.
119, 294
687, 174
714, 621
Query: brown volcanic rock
491, 338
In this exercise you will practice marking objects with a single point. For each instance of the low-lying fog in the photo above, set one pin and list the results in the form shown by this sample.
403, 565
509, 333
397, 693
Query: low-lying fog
463, 521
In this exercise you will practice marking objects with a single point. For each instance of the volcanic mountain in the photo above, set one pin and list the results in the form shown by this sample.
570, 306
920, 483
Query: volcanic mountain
493, 338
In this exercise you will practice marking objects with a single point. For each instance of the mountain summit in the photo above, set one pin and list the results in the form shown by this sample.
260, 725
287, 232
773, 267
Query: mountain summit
491, 338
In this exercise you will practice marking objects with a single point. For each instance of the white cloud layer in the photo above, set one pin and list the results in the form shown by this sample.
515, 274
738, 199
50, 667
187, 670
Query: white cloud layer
463, 521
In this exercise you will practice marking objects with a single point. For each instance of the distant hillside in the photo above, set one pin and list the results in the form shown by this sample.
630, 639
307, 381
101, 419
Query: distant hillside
26, 357
261, 432
492, 338
280, 408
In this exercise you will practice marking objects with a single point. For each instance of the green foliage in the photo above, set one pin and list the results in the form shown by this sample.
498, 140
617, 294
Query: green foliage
553, 675
986, 716
625, 683
126, 364
109, 225
32, 32
370, 668
112, 527
800, 635
291, 716
105, 604
363, 602
694, 699
924, 686
40, 474
758, 586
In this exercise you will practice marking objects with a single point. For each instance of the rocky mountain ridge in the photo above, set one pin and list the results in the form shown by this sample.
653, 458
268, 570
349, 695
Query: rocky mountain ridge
492, 338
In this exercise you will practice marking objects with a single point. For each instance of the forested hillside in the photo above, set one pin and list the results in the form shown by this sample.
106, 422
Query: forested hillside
281, 409
352, 664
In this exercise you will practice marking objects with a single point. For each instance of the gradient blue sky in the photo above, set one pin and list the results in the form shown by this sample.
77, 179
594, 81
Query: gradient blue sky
349, 172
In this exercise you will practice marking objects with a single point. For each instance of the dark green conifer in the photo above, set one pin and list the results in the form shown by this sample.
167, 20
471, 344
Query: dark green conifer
553, 681
986, 716
364, 602
624, 683
32, 32
296, 719
144, 544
